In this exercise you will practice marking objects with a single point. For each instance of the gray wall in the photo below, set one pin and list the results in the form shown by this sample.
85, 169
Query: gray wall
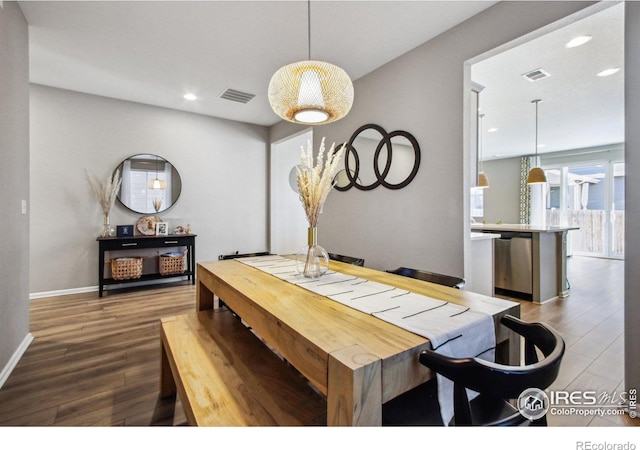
14, 186
502, 198
223, 165
423, 92
632, 193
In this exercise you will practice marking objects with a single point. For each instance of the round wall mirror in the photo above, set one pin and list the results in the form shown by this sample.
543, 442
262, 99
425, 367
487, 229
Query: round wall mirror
150, 184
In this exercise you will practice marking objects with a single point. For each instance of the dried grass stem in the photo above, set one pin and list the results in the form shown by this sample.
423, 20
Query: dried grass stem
315, 182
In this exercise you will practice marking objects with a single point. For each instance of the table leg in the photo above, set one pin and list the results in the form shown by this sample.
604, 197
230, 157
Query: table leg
354, 388
204, 297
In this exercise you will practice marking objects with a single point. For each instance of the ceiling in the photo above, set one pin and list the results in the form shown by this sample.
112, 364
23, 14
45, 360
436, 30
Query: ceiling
578, 109
153, 52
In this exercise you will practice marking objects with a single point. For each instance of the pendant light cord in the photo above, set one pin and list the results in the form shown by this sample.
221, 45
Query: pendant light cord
309, 29
536, 102
480, 142
536, 132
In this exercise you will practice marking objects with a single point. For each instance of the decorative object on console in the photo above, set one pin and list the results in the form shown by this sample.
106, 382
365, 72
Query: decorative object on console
311, 92
106, 195
124, 230
147, 225
536, 175
368, 142
162, 228
314, 185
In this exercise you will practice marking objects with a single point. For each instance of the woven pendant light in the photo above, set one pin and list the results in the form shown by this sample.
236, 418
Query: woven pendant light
311, 92
536, 175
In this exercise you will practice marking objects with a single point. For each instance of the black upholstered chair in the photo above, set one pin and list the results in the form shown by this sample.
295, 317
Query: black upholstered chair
496, 383
445, 280
347, 259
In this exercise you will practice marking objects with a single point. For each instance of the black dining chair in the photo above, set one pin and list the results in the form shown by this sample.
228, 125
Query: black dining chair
242, 255
347, 259
495, 383
445, 280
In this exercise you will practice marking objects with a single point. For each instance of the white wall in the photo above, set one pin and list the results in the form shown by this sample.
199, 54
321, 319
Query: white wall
223, 166
14, 187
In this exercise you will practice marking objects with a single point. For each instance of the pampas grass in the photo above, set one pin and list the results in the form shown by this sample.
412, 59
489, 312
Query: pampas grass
315, 182
105, 192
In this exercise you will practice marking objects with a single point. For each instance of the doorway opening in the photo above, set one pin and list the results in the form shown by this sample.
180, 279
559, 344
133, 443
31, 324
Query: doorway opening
287, 221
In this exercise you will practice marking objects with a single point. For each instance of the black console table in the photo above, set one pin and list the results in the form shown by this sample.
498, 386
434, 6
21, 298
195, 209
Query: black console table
111, 244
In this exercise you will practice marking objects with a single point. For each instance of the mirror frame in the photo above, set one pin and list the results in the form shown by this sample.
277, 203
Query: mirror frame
159, 159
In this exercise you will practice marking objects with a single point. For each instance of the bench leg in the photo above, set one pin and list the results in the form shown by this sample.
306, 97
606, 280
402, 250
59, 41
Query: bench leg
167, 382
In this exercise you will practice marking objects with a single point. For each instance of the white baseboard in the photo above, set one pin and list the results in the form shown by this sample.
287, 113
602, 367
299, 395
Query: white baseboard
84, 290
81, 290
13, 361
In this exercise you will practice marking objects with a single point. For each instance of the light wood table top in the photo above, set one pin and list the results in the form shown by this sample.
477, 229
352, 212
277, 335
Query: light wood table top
357, 360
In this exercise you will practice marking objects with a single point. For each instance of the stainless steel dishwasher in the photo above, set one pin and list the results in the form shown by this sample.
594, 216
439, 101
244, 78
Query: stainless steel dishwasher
513, 263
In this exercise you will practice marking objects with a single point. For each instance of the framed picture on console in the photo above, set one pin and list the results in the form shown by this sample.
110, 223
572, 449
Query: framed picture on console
124, 230
162, 229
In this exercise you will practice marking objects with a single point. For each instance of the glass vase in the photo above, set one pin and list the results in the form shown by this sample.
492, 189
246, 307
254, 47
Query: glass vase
312, 261
106, 230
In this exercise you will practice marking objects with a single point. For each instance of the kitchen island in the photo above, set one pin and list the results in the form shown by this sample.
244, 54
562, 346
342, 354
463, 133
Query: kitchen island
480, 277
530, 262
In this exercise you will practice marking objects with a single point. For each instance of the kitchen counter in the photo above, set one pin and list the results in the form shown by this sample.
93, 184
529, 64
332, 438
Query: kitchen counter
483, 236
518, 227
530, 262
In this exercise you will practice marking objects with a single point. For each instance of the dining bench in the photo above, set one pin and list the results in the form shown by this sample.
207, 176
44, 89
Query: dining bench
224, 375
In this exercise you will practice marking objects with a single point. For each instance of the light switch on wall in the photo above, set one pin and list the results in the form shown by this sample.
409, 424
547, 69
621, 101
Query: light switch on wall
24, 206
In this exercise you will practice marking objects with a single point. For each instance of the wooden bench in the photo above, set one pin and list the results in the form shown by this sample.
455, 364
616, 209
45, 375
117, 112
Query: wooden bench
225, 376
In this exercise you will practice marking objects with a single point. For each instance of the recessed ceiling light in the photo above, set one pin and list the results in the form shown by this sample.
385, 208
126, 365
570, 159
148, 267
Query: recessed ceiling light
542, 145
492, 130
190, 97
577, 42
606, 73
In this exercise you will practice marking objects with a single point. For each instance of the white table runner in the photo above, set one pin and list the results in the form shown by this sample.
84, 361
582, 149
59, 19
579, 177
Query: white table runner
453, 330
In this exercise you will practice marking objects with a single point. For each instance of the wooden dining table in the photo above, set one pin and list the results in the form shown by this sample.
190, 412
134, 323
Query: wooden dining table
357, 360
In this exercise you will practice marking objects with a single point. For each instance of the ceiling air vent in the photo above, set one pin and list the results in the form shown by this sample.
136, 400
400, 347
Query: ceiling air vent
536, 75
236, 96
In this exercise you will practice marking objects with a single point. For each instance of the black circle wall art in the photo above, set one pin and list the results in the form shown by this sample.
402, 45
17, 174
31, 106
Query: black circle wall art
382, 162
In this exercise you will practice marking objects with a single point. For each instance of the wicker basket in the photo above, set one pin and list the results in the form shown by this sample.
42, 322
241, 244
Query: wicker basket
172, 263
126, 268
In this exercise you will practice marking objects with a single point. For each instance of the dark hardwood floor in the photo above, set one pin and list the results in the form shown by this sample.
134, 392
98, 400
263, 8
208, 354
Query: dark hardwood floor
95, 362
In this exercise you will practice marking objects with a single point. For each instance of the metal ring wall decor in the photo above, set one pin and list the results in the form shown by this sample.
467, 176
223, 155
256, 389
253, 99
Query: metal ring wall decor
352, 173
